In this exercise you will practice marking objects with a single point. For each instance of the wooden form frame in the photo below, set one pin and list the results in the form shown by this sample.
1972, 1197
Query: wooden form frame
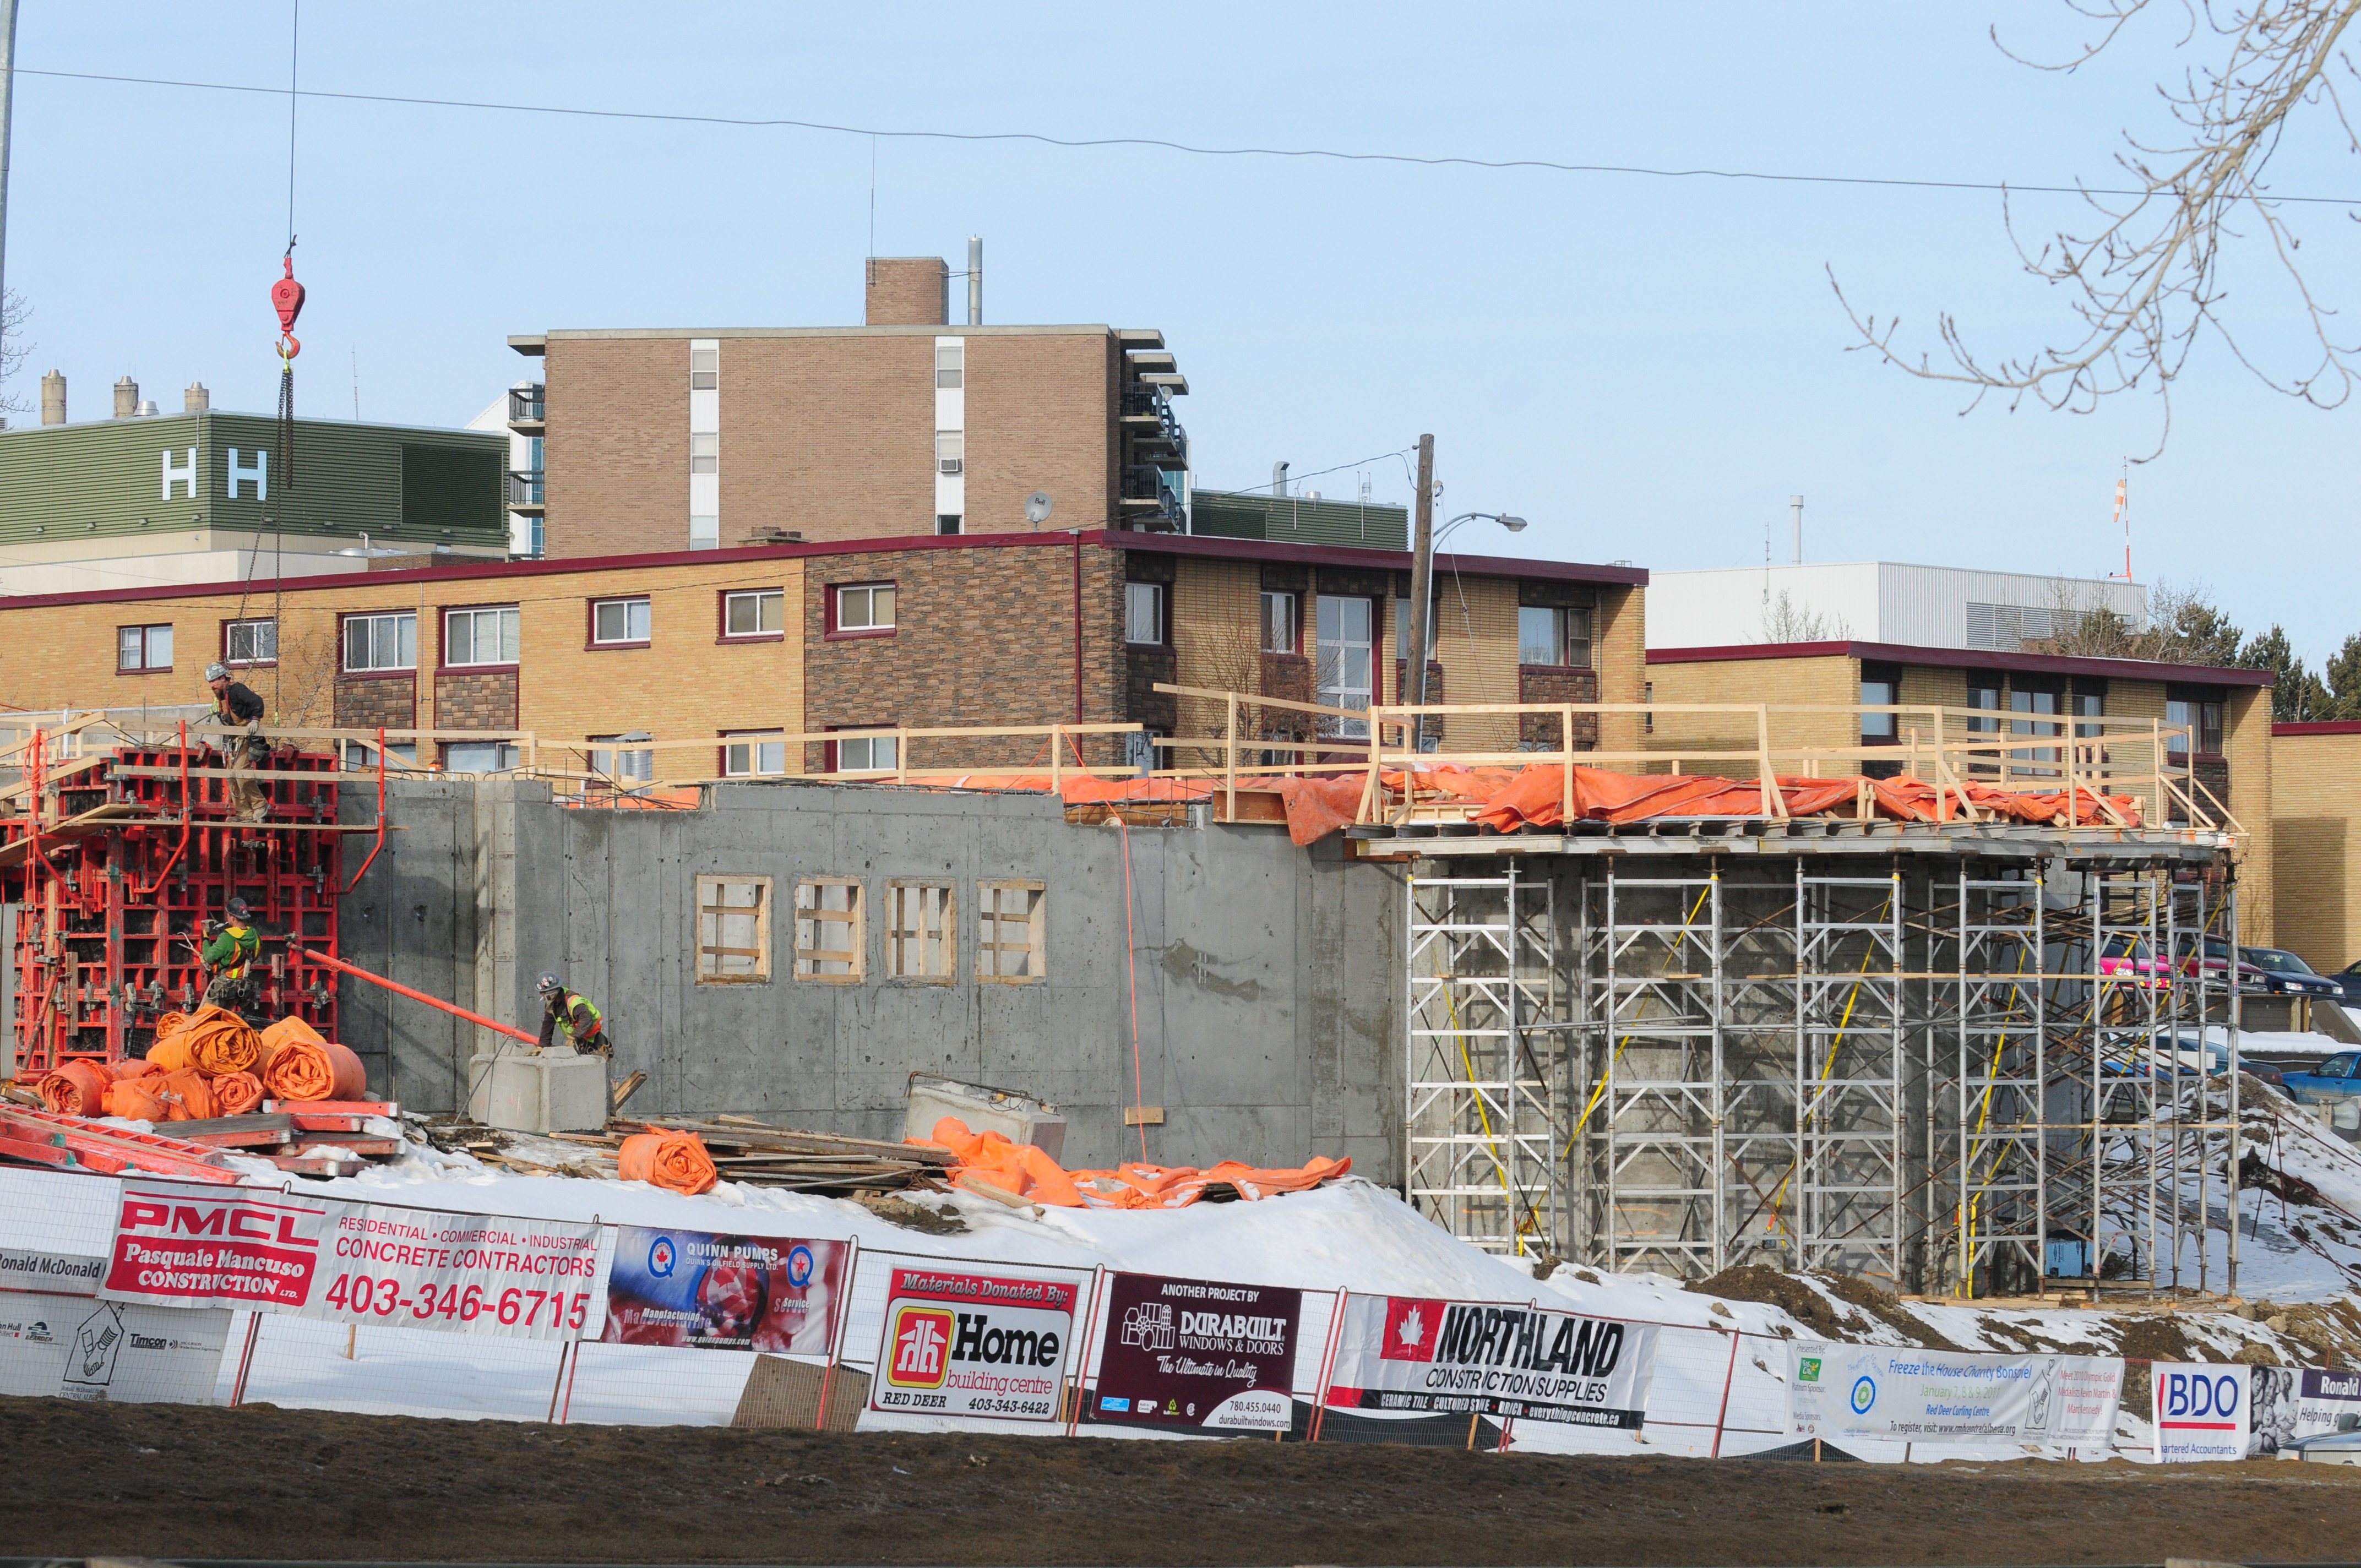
715, 915
815, 922
921, 921
995, 914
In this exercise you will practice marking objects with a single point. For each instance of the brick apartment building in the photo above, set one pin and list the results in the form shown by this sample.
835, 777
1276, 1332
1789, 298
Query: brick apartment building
658, 440
722, 646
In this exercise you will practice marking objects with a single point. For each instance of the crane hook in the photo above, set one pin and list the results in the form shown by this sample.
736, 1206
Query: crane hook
287, 298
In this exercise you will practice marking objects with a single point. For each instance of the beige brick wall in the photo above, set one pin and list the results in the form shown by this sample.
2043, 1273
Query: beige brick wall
616, 454
2315, 847
1040, 417
1828, 679
1475, 643
1618, 650
2247, 744
830, 437
1216, 642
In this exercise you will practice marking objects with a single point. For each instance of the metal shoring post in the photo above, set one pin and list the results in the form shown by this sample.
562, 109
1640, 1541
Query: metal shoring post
1799, 1181
2150, 1011
2169, 1010
1511, 1118
2040, 1107
2095, 991
1715, 1099
2237, 1132
1965, 1285
1899, 1229
1611, 1217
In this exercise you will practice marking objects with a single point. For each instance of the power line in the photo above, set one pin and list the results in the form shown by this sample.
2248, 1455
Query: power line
1337, 155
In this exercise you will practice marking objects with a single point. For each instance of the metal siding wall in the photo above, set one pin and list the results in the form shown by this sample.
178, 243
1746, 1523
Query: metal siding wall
1926, 607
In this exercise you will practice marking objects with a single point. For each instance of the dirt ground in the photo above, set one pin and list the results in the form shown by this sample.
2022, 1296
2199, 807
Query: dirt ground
191, 1482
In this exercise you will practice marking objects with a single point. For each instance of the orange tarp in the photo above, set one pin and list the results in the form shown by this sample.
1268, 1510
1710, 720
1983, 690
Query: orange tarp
676, 1161
77, 1088
171, 1053
187, 1095
988, 1159
313, 1069
219, 1041
236, 1093
131, 1066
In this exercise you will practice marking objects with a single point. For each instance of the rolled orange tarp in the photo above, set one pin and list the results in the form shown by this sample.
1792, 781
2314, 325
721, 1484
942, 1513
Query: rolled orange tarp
77, 1088
236, 1093
220, 1041
137, 1099
279, 1034
676, 1161
171, 1054
314, 1070
130, 1067
171, 1024
187, 1096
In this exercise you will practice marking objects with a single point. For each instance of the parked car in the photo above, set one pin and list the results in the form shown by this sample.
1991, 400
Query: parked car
2131, 958
2336, 1079
2348, 979
2213, 954
2284, 974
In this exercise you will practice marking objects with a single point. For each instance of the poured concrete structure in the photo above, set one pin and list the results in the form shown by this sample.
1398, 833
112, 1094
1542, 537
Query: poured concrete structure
1269, 1014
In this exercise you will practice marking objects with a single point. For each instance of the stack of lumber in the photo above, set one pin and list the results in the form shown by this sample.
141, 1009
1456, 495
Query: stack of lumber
743, 1149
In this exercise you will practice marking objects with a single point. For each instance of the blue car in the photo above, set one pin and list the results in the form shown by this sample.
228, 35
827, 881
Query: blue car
2337, 1078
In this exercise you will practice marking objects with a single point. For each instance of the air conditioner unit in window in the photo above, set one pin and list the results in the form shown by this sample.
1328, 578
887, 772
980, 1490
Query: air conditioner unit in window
950, 465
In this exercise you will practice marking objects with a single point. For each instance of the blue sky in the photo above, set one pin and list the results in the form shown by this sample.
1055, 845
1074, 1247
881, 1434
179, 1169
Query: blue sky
1645, 367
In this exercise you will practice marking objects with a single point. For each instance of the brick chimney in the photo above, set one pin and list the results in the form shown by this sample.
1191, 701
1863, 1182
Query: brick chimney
909, 290
126, 398
53, 398
196, 399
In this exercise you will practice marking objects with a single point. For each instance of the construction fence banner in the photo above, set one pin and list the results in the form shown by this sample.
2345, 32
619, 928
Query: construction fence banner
322, 1257
1911, 1396
960, 1344
2328, 1402
1198, 1354
709, 1291
1413, 1355
79, 1347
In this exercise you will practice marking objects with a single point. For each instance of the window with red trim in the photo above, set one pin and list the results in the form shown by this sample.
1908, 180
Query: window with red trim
861, 609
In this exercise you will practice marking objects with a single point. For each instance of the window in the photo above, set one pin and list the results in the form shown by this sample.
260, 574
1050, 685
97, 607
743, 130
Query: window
2193, 715
759, 612
733, 930
1008, 945
949, 521
1986, 697
540, 537
400, 756
479, 636
863, 607
480, 756
2034, 702
1402, 631
704, 370
950, 452
1277, 622
620, 623
861, 754
1881, 686
705, 453
2089, 704
750, 753
143, 648
381, 642
625, 767
828, 939
951, 364
250, 642
1346, 662
704, 532
921, 931
1559, 638
1143, 613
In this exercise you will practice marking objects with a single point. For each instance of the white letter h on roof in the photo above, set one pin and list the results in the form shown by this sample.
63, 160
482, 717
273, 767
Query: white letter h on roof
185, 476
260, 473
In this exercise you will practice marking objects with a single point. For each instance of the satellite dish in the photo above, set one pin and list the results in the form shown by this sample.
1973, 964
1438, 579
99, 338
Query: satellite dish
1038, 507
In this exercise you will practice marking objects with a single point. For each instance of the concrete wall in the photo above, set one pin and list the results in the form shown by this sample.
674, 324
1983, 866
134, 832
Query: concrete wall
1267, 993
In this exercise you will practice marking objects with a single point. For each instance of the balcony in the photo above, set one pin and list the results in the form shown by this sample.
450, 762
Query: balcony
1152, 497
525, 492
527, 413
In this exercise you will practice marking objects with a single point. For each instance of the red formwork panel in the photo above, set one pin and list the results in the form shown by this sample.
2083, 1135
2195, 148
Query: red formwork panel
134, 857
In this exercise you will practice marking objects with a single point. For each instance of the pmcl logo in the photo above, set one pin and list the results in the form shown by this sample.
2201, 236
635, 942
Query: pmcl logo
922, 1347
1864, 1394
661, 1258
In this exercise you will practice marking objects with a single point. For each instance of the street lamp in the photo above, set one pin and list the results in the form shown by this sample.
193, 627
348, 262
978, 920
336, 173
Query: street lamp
1421, 633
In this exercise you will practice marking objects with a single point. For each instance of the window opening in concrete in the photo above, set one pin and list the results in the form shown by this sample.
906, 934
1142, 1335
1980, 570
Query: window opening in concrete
830, 940
1143, 613
480, 636
250, 642
733, 930
761, 612
1009, 948
621, 620
381, 642
143, 648
752, 753
922, 931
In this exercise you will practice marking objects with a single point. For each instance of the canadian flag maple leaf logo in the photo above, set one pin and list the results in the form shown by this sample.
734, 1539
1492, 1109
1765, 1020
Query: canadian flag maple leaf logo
1412, 1325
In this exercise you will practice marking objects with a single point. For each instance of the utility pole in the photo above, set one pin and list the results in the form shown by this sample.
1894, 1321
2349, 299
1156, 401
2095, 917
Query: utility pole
1421, 573
7, 115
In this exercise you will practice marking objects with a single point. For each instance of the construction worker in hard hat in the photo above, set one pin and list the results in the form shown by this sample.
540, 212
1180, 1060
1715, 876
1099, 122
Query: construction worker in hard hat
235, 706
572, 1015
232, 946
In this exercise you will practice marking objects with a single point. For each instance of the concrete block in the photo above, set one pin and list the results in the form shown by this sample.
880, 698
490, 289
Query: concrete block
554, 1092
1019, 1118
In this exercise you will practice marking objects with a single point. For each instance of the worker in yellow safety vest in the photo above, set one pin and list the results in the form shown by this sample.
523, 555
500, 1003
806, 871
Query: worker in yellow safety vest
574, 1016
231, 947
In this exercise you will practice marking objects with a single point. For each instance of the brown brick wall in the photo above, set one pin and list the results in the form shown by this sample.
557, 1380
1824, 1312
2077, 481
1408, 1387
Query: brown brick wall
907, 291
616, 454
1040, 416
830, 437
983, 637
1538, 732
389, 702
481, 701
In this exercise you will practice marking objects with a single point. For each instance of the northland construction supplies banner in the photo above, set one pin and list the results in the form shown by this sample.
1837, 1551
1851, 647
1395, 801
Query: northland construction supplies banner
716, 1292
1934, 1396
1412, 1356
973, 1344
1197, 1353
317, 1257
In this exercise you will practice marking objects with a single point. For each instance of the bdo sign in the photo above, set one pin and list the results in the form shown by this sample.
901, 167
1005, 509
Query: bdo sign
2202, 1413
